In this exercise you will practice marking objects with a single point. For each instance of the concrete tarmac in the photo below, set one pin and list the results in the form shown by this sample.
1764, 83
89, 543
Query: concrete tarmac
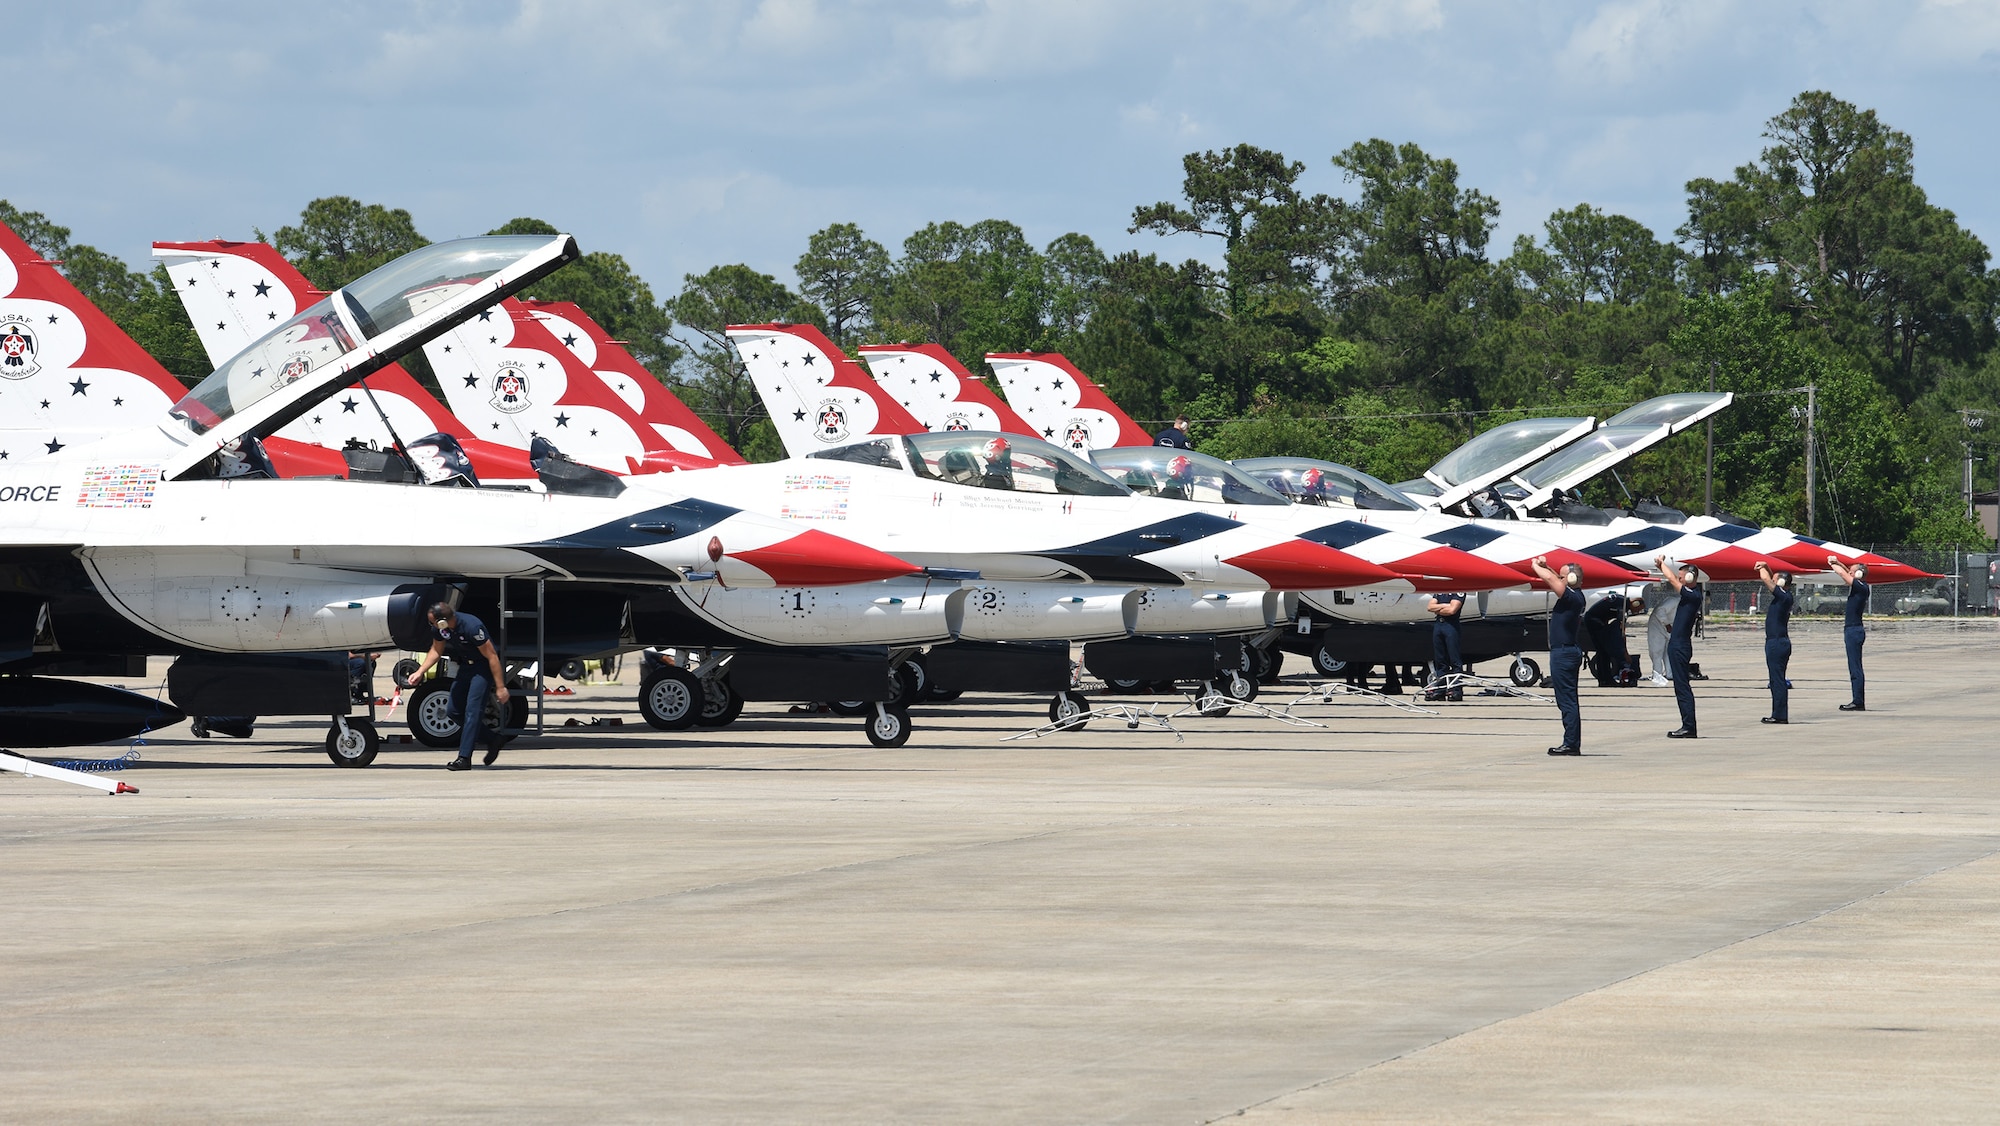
1394, 917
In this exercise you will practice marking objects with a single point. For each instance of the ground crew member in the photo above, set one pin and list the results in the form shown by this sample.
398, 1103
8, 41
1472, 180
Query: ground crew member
462, 637
1777, 639
1565, 655
1175, 435
1680, 641
1445, 659
1855, 633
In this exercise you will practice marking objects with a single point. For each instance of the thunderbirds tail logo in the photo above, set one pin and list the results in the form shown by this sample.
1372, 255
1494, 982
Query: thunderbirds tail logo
510, 390
832, 422
1076, 435
956, 421
17, 348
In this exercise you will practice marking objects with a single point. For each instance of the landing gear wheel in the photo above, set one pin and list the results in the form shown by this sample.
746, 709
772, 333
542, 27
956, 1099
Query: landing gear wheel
430, 716
1067, 705
851, 709
1238, 687
909, 683
1524, 672
1119, 684
405, 669
720, 705
1209, 689
889, 727
1273, 666
670, 698
944, 696
509, 719
355, 746
1326, 664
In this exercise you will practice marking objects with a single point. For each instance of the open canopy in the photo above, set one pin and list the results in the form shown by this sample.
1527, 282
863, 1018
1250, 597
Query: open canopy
356, 330
1494, 455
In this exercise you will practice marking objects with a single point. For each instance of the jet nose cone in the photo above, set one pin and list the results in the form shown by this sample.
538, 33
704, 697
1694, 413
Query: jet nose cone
1449, 569
1597, 573
1734, 564
1882, 569
1298, 564
815, 558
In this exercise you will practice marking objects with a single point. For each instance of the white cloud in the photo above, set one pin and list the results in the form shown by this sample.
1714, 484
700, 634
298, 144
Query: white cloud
1377, 19
1633, 39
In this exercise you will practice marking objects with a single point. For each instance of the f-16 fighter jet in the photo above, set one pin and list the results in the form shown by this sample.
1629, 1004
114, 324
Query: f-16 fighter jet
173, 536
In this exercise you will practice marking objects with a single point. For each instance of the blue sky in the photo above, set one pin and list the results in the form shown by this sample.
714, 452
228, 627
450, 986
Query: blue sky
683, 135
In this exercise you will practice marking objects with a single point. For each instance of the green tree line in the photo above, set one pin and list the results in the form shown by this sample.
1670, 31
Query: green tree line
1379, 327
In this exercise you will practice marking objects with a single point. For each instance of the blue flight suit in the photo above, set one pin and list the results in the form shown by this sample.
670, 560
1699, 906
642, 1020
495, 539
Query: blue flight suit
1855, 634
1566, 663
1778, 650
474, 682
1172, 436
1680, 652
1445, 652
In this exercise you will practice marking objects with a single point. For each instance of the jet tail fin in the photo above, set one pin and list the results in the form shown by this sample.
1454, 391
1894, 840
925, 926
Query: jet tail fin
68, 374
818, 398
1062, 403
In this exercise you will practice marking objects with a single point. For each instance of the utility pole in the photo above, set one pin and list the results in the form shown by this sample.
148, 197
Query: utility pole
1812, 402
1708, 463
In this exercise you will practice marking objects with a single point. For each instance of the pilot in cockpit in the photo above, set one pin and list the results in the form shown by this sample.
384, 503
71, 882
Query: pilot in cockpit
1180, 479
999, 465
1312, 487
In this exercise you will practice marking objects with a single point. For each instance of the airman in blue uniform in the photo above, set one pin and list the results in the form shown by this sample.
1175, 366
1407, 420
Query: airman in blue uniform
1565, 652
1680, 641
1777, 639
1445, 653
463, 638
1856, 634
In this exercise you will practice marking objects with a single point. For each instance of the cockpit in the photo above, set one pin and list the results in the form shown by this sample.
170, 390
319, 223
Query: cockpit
983, 459
1176, 474
1304, 480
349, 319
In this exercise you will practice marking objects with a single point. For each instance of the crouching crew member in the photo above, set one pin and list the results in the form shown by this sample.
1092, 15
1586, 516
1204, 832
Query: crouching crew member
462, 637
1680, 641
1445, 659
1855, 634
1565, 655
1777, 639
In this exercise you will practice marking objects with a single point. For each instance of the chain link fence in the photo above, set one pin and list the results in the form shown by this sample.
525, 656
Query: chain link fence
1970, 588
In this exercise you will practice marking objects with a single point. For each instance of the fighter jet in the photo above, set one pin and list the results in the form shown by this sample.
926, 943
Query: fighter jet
174, 536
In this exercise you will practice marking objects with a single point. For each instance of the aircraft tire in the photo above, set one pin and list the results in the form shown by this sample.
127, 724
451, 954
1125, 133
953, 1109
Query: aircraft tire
943, 695
1214, 711
1524, 673
1238, 687
720, 704
1326, 664
670, 699
851, 709
909, 683
1125, 685
354, 747
403, 670
429, 715
1067, 704
889, 726
1272, 667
